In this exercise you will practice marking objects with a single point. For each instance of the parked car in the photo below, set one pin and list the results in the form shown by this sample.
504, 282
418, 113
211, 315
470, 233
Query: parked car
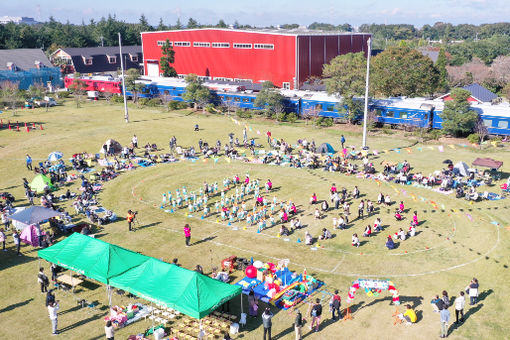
47, 101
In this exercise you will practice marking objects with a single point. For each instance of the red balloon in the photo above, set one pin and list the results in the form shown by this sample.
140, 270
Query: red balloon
251, 272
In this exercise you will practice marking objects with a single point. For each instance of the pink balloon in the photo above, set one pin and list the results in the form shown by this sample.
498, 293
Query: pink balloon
251, 272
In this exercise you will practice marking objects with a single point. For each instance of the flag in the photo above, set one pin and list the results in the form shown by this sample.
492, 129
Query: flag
396, 150
376, 152
451, 146
216, 160
440, 148
431, 147
205, 160
227, 159
470, 217
258, 132
419, 148
409, 150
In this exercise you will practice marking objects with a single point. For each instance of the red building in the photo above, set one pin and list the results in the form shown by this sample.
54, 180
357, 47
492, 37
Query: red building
287, 58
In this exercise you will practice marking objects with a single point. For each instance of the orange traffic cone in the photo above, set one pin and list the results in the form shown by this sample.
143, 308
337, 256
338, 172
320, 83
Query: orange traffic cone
41, 127
28, 130
348, 315
10, 127
33, 126
17, 128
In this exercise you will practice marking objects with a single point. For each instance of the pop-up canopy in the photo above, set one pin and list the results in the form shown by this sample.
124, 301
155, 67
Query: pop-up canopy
33, 215
187, 291
91, 257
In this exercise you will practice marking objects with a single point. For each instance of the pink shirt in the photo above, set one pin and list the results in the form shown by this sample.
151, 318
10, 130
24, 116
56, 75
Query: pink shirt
187, 232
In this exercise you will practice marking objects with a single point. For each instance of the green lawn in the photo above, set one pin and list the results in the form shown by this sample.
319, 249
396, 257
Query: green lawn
450, 248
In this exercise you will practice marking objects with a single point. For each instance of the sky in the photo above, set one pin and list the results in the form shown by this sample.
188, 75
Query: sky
267, 12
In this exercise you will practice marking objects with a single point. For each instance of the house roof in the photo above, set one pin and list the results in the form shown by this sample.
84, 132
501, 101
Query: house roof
481, 93
291, 32
433, 55
98, 51
99, 57
23, 58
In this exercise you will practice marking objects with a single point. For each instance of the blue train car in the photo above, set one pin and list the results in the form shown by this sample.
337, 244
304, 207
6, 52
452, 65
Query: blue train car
416, 112
495, 117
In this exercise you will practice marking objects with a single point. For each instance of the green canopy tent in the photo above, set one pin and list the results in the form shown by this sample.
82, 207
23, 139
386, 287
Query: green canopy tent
91, 257
39, 182
187, 291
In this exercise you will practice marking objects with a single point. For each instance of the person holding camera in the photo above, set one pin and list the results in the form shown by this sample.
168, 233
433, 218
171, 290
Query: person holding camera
131, 218
187, 234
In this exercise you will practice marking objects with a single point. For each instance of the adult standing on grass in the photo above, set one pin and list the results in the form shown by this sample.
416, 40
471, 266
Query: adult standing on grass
316, 313
460, 301
298, 323
29, 162
266, 321
342, 140
15, 237
43, 280
134, 140
444, 315
187, 234
108, 329
335, 306
52, 311
472, 290
130, 218
2, 238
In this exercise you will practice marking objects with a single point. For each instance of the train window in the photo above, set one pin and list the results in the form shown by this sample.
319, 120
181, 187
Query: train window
403, 114
330, 108
487, 122
237, 99
378, 112
252, 100
426, 116
318, 107
390, 114
246, 100
503, 124
166, 92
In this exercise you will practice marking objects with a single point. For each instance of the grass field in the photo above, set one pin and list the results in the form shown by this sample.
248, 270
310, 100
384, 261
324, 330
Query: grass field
450, 248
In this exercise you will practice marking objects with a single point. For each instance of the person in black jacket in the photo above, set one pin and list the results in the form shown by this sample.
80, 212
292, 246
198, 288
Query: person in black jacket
298, 323
316, 313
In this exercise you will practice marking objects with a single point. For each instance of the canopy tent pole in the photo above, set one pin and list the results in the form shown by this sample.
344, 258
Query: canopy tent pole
242, 311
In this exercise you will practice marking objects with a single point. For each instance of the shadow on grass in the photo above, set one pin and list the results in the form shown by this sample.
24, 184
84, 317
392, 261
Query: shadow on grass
15, 305
78, 324
210, 238
140, 227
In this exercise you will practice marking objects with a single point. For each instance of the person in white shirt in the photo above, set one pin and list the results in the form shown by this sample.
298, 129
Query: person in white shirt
108, 330
135, 141
459, 307
52, 311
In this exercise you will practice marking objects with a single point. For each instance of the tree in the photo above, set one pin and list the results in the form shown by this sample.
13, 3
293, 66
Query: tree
10, 94
401, 71
196, 93
192, 23
178, 24
168, 58
132, 85
506, 91
161, 25
345, 77
78, 88
458, 118
270, 100
481, 130
221, 24
442, 84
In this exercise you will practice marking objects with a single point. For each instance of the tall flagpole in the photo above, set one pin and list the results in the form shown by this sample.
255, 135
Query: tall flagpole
365, 115
126, 114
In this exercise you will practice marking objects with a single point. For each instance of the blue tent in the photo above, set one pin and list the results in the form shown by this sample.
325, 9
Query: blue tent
325, 148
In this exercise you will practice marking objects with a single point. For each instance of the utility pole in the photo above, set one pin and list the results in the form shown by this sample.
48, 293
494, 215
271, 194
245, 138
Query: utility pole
126, 114
365, 115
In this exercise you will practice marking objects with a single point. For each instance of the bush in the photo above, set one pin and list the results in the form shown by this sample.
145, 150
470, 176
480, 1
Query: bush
324, 122
211, 108
473, 138
435, 134
143, 101
63, 94
244, 113
292, 117
117, 99
177, 105
281, 117
154, 102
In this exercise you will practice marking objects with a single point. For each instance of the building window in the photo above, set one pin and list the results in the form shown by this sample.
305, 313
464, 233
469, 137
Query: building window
263, 46
162, 42
87, 61
242, 46
286, 85
182, 43
112, 59
134, 58
201, 44
239, 80
204, 78
181, 76
487, 122
503, 124
221, 45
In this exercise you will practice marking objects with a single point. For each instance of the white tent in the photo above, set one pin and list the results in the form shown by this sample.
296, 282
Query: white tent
462, 167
